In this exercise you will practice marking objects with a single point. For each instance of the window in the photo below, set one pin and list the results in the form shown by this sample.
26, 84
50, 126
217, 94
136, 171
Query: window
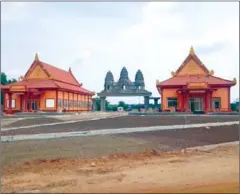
172, 102
50, 103
123, 87
65, 103
60, 104
13, 104
216, 103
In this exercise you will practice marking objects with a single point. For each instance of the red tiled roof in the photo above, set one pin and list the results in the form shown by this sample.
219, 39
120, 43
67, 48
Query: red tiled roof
33, 84
12, 84
59, 74
38, 84
183, 80
72, 87
59, 79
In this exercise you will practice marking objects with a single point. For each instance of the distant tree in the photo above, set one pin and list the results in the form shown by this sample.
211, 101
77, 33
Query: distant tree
123, 104
13, 80
98, 104
4, 81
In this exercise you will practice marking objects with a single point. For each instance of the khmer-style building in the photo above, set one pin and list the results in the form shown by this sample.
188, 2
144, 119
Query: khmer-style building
194, 88
46, 88
124, 87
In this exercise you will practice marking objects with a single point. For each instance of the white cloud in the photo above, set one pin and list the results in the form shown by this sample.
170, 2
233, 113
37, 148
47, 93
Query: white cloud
14, 11
157, 42
160, 43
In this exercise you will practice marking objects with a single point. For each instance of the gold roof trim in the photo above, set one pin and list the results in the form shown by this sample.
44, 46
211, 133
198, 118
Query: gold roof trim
234, 80
36, 57
192, 52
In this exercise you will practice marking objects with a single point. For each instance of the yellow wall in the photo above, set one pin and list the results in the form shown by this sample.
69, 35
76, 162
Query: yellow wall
52, 95
191, 68
70, 107
82, 98
60, 94
75, 99
168, 93
47, 95
65, 96
86, 100
223, 94
37, 73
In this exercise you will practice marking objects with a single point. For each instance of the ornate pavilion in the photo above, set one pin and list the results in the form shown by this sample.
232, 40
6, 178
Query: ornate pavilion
46, 88
194, 88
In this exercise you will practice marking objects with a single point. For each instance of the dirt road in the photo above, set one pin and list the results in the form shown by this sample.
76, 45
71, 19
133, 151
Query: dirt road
189, 171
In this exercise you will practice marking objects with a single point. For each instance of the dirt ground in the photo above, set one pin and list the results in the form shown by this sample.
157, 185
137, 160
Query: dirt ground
190, 171
137, 162
99, 145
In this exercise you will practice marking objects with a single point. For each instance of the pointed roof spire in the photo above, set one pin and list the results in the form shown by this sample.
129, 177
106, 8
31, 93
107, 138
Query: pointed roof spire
192, 51
36, 57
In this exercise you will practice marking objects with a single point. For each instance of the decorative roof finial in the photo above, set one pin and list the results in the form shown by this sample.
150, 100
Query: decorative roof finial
234, 80
36, 57
192, 51
70, 69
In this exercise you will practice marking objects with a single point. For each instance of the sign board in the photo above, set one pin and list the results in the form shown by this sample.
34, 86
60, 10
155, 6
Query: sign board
18, 88
120, 109
197, 85
50, 103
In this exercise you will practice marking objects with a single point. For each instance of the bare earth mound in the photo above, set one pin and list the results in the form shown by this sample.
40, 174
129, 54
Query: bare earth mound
191, 171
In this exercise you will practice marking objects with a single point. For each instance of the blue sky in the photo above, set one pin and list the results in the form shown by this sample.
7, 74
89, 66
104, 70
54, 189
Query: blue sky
93, 38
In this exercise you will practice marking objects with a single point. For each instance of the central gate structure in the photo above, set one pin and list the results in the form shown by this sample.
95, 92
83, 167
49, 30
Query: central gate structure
124, 87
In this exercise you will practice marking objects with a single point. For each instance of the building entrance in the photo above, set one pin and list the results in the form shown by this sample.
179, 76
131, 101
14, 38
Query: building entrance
196, 104
34, 105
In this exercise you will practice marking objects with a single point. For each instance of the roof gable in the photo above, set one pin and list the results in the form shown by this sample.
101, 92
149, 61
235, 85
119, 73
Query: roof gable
43, 70
37, 72
192, 66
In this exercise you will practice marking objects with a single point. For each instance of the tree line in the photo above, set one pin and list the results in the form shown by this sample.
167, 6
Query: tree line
114, 107
4, 81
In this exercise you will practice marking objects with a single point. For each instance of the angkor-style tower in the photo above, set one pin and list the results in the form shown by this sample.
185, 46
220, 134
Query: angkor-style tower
124, 80
124, 87
109, 81
139, 80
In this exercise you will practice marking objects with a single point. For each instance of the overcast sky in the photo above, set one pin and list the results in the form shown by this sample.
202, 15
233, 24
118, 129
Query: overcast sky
93, 38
